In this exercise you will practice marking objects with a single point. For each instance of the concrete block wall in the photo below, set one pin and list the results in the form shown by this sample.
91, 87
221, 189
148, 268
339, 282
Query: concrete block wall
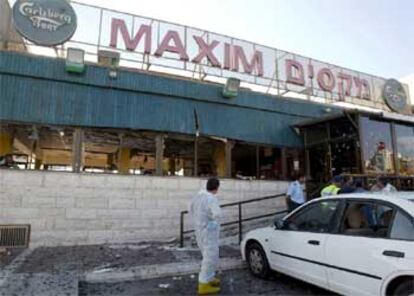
73, 209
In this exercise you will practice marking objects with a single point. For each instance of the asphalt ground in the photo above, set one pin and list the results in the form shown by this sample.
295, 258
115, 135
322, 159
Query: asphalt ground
80, 259
234, 282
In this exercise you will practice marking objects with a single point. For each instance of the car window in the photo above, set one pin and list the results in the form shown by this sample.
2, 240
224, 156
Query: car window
402, 227
367, 219
317, 217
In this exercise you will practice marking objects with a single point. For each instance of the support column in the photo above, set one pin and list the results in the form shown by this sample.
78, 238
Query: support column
196, 157
39, 156
307, 164
110, 161
77, 150
171, 166
6, 142
124, 155
220, 159
395, 159
257, 162
159, 154
38, 163
229, 149
283, 155
5, 21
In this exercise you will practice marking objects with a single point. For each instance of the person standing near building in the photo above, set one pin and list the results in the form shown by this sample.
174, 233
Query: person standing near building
294, 195
348, 185
383, 185
359, 186
333, 187
367, 209
205, 212
388, 188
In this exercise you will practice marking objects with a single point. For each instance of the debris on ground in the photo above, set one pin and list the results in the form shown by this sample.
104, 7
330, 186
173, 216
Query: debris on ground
4, 252
89, 258
233, 282
129, 246
95, 258
103, 270
7, 256
45, 267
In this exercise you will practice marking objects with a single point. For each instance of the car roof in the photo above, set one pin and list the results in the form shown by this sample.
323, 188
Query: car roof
403, 199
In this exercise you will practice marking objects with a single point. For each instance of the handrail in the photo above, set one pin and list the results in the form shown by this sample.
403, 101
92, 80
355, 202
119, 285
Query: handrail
240, 219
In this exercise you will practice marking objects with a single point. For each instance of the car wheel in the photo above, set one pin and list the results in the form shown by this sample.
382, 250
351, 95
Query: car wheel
257, 261
406, 288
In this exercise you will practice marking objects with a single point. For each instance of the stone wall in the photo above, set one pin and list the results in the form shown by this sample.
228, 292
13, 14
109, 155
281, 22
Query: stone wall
71, 209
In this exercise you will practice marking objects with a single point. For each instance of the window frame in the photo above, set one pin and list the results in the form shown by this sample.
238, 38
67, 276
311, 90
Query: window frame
363, 129
410, 219
397, 145
391, 205
311, 205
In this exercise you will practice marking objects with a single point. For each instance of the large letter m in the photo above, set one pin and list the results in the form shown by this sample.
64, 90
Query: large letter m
119, 26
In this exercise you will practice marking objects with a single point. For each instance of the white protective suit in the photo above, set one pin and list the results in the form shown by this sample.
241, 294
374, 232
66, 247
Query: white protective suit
205, 212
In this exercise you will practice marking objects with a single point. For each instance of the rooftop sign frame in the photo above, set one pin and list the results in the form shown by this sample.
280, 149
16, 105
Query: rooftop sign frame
151, 44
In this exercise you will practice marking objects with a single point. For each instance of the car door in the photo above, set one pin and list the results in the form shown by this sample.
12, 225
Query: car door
298, 248
362, 254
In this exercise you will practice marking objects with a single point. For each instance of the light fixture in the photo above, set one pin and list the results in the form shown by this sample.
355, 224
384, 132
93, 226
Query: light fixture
231, 89
113, 74
75, 60
108, 58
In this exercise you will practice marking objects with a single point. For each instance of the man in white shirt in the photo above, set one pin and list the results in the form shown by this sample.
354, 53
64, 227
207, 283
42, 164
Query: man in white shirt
383, 185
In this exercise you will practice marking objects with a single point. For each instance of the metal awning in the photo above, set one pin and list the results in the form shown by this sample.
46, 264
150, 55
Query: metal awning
381, 115
398, 117
313, 121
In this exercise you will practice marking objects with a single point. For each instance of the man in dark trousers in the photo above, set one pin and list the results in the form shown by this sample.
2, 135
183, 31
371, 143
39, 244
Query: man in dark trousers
294, 195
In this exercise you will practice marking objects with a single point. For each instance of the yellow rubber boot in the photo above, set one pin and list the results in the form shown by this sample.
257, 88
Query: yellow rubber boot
207, 289
215, 282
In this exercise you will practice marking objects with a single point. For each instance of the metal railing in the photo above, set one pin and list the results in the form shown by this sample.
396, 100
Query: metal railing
240, 219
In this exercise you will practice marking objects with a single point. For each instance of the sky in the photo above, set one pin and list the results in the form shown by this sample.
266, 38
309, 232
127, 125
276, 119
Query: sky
372, 36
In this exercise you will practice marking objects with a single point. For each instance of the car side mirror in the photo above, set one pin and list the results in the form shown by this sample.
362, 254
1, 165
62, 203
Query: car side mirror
281, 224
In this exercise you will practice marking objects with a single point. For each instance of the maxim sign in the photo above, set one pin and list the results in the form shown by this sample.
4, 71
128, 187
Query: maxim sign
237, 58
232, 55
45, 22
147, 43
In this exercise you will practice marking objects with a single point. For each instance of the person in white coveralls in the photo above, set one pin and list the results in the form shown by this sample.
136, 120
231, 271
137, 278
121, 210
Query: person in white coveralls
205, 212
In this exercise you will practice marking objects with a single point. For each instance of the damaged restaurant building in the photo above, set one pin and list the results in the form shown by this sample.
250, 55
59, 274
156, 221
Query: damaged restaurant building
115, 115
130, 95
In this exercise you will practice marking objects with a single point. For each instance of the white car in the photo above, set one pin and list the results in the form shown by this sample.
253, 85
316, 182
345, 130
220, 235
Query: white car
360, 244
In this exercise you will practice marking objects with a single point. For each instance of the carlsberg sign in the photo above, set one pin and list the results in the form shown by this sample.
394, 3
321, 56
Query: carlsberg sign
45, 22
